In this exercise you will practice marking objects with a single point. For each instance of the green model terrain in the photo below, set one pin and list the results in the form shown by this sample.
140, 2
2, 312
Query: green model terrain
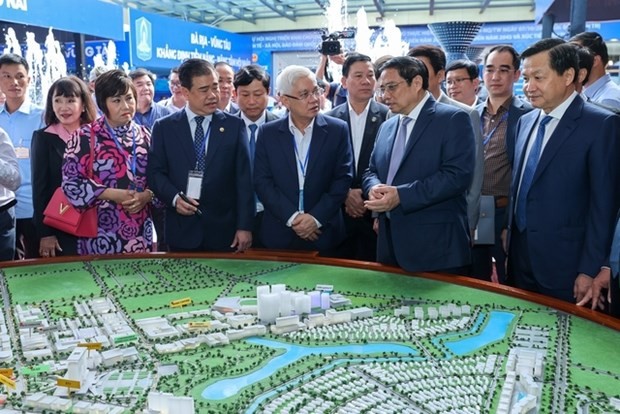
457, 361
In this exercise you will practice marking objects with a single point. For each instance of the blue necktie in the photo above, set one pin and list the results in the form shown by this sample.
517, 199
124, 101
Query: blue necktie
614, 256
398, 150
528, 174
199, 144
253, 128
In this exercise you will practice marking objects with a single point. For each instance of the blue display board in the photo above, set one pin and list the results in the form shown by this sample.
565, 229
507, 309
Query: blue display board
159, 42
92, 17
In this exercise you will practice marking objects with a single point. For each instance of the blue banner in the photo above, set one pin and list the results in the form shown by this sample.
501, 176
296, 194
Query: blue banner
159, 42
92, 17
94, 48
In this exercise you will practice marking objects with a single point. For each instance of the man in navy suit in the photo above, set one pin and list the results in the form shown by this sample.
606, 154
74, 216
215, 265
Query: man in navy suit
564, 194
302, 170
499, 115
419, 173
252, 92
203, 152
364, 116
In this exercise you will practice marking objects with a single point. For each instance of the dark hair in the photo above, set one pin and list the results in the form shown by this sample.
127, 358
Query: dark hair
13, 59
248, 74
408, 68
70, 86
562, 55
174, 70
435, 55
351, 59
193, 68
471, 67
594, 42
586, 61
112, 83
516, 61
140, 72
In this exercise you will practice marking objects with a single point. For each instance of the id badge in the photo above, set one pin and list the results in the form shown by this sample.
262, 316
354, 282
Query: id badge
194, 184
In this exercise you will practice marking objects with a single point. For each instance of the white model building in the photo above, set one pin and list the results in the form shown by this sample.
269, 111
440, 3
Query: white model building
77, 365
315, 299
166, 403
239, 321
254, 330
157, 327
268, 307
285, 324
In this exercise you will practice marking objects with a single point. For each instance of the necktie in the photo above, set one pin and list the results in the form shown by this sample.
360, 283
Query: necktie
253, 128
528, 174
199, 143
398, 149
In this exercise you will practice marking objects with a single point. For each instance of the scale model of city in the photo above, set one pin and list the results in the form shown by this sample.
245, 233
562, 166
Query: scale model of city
185, 336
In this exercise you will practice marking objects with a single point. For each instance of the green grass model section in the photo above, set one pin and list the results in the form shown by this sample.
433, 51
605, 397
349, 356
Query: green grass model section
452, 367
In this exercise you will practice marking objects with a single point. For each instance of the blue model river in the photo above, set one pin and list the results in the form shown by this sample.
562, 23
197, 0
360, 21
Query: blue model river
229, 387
495, 330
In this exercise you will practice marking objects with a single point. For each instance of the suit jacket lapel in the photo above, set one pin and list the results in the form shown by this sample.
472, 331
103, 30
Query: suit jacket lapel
319, 134
561, 133
527, 125
420, 125
217, 133
389, 130
186, 140
286, 140
373, 120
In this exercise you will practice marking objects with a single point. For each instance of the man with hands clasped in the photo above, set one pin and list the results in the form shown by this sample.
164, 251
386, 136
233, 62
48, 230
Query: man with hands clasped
302, 170
419, 173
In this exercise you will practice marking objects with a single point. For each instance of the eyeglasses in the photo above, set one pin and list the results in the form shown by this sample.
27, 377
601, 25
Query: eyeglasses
317, 92
389, 88
456, 81
500, 71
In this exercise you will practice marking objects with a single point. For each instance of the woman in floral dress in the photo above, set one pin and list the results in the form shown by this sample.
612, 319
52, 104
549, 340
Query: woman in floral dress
118, 184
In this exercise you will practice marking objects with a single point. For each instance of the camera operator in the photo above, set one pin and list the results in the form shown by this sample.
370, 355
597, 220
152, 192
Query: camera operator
335, 92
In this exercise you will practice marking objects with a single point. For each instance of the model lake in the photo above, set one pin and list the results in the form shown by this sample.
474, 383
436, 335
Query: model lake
494, 330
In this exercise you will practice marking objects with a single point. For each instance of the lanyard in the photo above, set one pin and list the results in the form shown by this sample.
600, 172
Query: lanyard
116, 139
488, 136
302, 167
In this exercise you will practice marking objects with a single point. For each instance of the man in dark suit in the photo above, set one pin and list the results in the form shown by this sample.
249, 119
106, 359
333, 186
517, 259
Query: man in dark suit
564, 194
302, 170
252, 92
499, 115
203, 152
364, 117
226, 75
419, 172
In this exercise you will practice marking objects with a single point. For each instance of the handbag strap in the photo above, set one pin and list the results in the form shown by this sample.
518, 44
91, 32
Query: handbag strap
92, 150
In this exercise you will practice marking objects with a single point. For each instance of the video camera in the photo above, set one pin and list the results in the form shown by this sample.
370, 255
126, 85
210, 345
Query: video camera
331, 41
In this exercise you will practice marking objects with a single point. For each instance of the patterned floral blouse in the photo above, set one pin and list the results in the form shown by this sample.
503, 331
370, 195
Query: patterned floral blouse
119, 231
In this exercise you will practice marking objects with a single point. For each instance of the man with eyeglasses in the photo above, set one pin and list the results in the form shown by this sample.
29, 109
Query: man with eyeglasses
364, 116
177, 101
302, 170
418, 175
434, 59
462, 82
499, 115
600, 87
226, 76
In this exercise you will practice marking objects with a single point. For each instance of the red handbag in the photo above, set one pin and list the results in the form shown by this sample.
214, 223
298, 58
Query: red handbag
60, 213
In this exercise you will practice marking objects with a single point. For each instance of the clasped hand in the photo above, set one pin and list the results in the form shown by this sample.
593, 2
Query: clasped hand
304, 225
382, 198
